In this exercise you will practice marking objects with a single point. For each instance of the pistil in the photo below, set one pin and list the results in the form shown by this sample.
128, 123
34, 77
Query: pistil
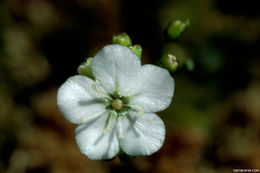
117, 104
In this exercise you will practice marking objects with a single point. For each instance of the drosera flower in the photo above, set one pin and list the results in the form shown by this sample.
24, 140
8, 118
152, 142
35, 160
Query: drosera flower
115, 112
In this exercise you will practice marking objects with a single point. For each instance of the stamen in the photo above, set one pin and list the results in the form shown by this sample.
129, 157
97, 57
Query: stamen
120, 131
141, 109
121, 137
110, 118
84, 120
94, 87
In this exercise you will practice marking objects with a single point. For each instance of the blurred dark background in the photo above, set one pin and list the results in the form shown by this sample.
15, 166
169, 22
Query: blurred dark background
213, 122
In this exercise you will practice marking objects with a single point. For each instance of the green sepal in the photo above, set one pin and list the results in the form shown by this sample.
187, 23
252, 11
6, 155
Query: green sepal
124, 158
109, 160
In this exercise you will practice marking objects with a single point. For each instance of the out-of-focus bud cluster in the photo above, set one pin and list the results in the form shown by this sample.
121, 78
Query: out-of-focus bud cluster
124, 40
175, 57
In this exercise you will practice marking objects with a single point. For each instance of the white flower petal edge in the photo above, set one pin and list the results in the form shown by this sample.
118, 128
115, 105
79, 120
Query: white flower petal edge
77, 101
96, 144
116, 67
155, 89
142, 135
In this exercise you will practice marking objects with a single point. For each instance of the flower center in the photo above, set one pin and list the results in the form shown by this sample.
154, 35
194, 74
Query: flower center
117, 104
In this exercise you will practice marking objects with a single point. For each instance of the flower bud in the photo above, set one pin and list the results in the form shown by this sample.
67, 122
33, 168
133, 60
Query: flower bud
170, 62
189, 64
178, 51
122, 39
85, 68
137, 49
176, 28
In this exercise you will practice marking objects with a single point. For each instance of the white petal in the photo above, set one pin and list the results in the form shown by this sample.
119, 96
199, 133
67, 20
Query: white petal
96, 144
116, 67
154, 90
77, 101
142, 135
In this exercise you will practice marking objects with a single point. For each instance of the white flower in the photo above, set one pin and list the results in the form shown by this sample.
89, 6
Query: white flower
116, 111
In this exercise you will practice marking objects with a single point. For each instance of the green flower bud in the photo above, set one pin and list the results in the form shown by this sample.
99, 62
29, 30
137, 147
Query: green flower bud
137, 49
85, 68
122, 39
169, 61
189, 64
179, 52
176, 28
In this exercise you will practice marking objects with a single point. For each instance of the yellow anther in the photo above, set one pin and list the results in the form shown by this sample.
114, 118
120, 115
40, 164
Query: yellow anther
121, 137
83, 120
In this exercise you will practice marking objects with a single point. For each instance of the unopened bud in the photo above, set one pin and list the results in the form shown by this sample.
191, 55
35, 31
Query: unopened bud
176, 28
189, 64
85, 68
122, 39
170, 62
137, 49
